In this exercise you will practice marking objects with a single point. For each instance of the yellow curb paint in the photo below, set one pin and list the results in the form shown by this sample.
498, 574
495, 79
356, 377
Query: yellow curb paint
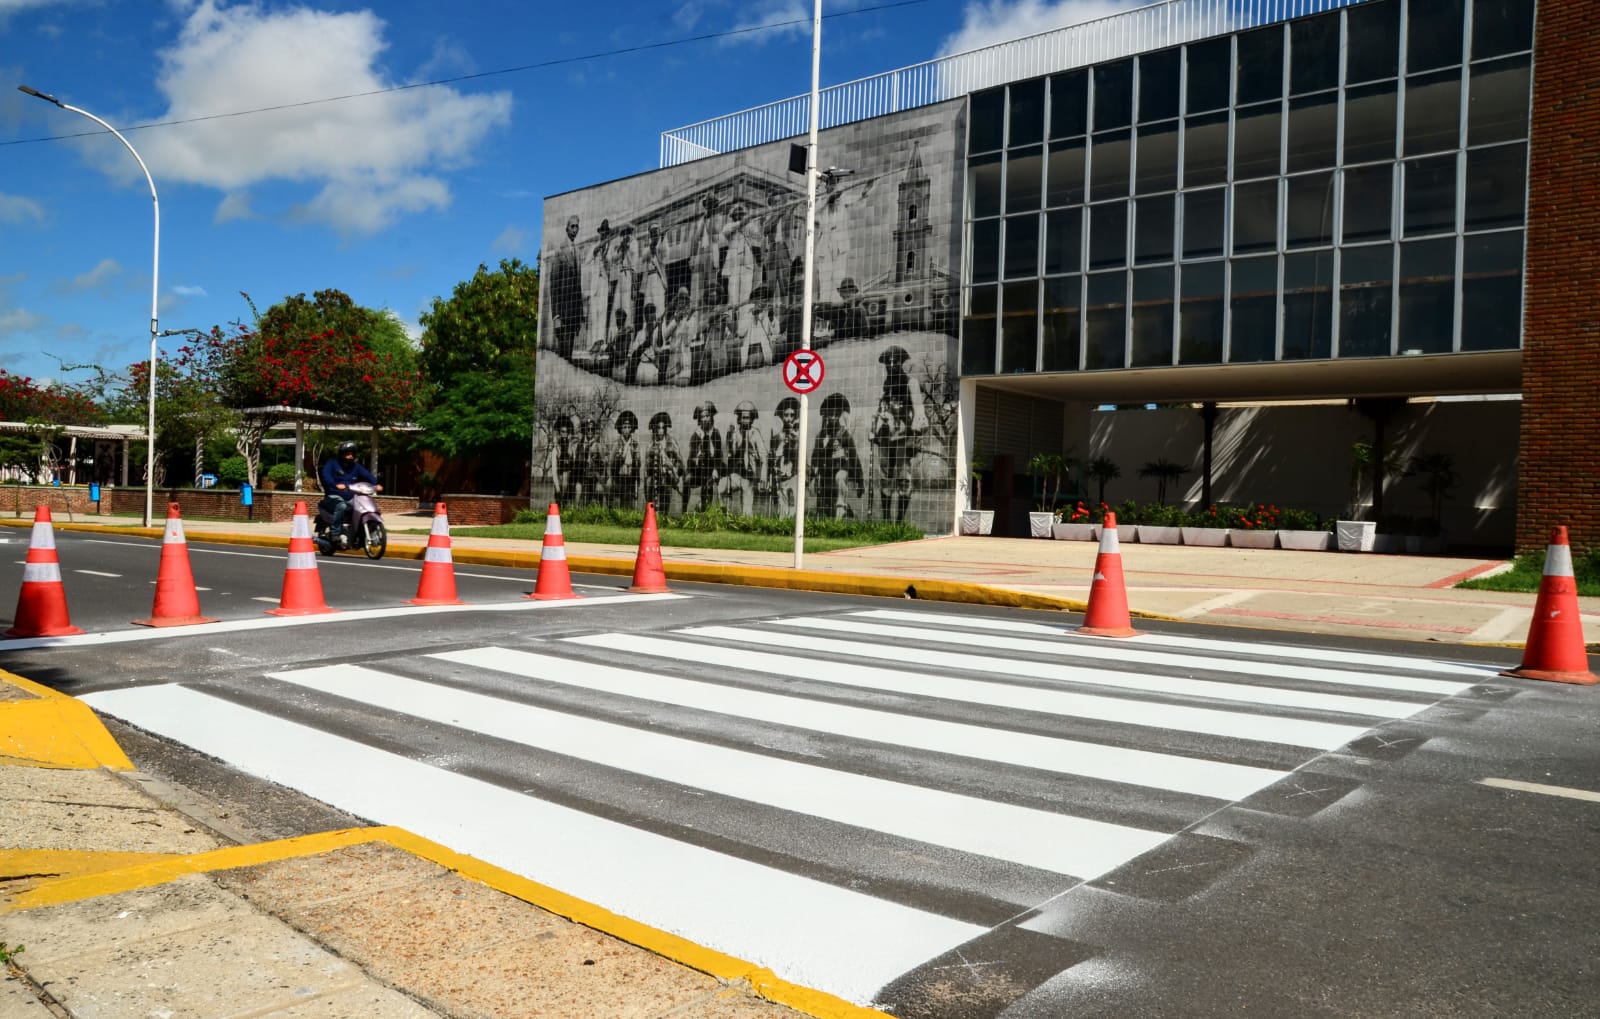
23, 869
52, 730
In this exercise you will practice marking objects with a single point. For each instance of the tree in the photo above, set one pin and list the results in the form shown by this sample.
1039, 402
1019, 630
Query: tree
1104, 471
1165, 472
45, 410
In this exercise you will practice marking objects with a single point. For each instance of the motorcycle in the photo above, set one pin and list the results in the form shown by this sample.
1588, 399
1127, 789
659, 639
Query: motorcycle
363, 525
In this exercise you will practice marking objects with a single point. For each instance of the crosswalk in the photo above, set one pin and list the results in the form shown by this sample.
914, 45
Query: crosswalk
841, 798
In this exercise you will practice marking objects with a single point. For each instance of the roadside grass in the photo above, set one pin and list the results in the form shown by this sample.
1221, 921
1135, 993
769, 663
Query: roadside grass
1525, 574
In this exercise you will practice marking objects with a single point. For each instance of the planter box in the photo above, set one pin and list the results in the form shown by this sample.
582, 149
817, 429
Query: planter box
1306, 541
1355, 535
1075, 532
1432, 544
1388, 544
1241, 538
976, 522
1214, 537
1039, 524
1159, 534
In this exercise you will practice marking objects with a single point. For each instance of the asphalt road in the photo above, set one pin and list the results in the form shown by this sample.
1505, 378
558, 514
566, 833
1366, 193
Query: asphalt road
950, 811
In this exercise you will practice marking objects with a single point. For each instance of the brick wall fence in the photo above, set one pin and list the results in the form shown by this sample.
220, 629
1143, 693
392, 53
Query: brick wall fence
1559, 479
67, 503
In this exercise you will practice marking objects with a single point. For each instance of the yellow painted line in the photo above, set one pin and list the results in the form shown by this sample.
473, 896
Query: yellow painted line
1546, 790
52, 730
22, 869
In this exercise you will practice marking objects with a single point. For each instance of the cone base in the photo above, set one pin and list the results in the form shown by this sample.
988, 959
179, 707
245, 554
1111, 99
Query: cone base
536, 596
434, 601
301, 612
1110, 631
173, 621
49, 631
649, 589
1548, 676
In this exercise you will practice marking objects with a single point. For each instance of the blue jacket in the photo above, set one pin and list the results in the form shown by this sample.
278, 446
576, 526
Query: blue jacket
335, 473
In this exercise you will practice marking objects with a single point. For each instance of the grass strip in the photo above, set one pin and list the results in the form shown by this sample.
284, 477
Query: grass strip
1528, 570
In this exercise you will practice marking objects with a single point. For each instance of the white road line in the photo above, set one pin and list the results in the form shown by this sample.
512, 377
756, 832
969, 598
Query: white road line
1210, 721
1505, 624
1546, 790
1055, 842
1221, 601
1200, 777
1086, 675
806, 931
1124, 654
1314, 654
97, 573
269, 601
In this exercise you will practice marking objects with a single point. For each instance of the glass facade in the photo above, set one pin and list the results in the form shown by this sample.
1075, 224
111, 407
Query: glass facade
1350, 184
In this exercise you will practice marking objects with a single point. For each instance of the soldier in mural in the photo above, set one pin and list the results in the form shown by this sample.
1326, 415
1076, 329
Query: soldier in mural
745, 459
626, 463
663, 464
761, 334
783, 456
593, 464
563, 464
652, 274
707, 464
597, 291
564, 278
892, 436
835, 465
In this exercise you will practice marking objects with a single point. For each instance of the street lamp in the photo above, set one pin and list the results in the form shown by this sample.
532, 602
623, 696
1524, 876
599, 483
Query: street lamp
810, 274
155, 290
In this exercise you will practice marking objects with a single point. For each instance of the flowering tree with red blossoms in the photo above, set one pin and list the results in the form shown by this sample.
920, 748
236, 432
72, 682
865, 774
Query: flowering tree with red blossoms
45, 409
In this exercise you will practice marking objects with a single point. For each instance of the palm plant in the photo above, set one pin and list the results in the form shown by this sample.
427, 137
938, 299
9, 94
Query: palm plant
1049, 469
1164, 471
1103, 470
1439, 477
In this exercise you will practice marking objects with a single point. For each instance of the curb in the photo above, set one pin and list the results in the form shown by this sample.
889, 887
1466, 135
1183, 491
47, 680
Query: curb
52, 730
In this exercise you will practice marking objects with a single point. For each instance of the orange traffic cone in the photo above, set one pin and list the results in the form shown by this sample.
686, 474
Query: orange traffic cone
1555, 649
302, 584
177, 603
438, 583
1108, 598
554, 581
42, 602
648, 575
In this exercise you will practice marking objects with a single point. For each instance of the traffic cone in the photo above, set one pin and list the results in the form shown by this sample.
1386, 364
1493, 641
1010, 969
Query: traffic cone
438, 583
554, 581
177, 603
1108, 599
1555, 649
648, 575
302, 584
42, 602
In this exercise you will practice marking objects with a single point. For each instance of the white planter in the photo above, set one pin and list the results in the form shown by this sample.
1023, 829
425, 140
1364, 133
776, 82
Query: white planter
1214, 537
1159, 534
1240, 537
1355, 535
977, 521
1306, 541
1039, 524
1388, 544
1075, 532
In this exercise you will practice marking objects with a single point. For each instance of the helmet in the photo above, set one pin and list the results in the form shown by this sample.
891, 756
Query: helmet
661, 418
834, 405
347, 449
704, 409
746, 407
894, 355
628, 418
788, 403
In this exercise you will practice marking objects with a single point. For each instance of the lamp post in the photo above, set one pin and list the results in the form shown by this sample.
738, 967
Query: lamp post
810, 275
155, 291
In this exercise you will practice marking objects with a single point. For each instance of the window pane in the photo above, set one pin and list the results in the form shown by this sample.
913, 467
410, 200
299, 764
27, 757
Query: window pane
1066, 173
1156, 165
1152, 237
1255, 217
1019, 327
1260, 65
1373, 49
1205, 150
1308, 306
1314, 53
1309, 218
1200, 315
1158, 85
985, 251
1433, 33
1497, 102
1152, 317
1253, 304
1427, 296
1501, 26
1257, 137
1022, 246
983, 185
1062, 302
1063, 244
1108, 165
1107, 330
1365, 301
1497, 187
1024, 173
1433, 112
986, 129
1313, 132
1491, 292
1430, 195
1108, 235
978, 332
1369, 122
1069, 104
1203, 218
1027, 113
1113, 95
1369, 203
1209, 65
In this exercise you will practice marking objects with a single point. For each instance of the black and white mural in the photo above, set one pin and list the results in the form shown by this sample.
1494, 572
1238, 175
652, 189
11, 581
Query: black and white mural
672, 298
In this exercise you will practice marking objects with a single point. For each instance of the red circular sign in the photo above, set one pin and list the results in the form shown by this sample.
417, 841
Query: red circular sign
803, 371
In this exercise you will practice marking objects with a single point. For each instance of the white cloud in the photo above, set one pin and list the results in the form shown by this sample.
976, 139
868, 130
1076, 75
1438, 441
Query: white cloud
512, 240
190, 291
18, 320
234, 206
101, 278
988, 22
373, 158
17, 209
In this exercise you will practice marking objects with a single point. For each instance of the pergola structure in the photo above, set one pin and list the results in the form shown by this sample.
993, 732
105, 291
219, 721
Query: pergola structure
125, 434
299, 418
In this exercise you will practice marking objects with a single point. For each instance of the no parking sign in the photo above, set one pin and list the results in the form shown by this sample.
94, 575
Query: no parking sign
803, 371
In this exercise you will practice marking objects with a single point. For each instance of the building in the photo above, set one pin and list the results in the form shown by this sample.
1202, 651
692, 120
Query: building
1286, 227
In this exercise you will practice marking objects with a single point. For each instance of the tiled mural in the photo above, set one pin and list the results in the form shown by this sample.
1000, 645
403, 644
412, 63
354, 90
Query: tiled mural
672, 298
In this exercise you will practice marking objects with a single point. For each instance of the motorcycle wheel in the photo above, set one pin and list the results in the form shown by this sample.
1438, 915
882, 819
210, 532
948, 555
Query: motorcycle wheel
375, 540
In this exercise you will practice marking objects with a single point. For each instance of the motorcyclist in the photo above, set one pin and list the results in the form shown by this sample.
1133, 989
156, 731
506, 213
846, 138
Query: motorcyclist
338, 474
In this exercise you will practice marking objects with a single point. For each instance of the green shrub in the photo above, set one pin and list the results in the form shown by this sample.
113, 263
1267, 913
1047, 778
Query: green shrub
1211, 516
1158, 515
1290, 519
233, 472
281, 475
716, 518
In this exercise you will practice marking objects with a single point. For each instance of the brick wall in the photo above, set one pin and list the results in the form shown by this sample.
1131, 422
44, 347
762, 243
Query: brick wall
64, 502
1560, 444
483, 510
223, 504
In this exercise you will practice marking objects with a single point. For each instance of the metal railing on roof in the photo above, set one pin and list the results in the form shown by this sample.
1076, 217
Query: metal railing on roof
1140, 30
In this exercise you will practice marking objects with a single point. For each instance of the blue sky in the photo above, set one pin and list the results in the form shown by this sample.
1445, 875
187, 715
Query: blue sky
392, 198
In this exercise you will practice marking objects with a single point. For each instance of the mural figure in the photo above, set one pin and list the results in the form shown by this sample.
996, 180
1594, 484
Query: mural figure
745, 459
562, 466
892, 436
593, 463
626, 463
564, 277
706, 462
597, 290
783, 456
834, 462
663, 464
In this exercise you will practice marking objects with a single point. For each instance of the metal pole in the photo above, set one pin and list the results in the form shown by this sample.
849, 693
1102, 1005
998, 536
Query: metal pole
155, 291
810, 275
